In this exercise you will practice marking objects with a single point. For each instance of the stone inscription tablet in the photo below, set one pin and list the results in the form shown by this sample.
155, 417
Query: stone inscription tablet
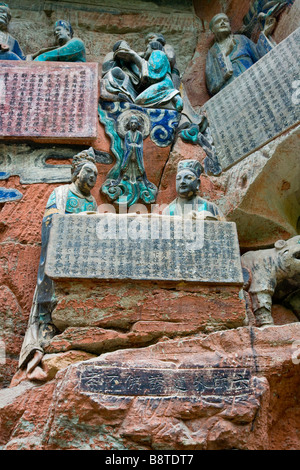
165, 248
259, 105
48, 100
166, 382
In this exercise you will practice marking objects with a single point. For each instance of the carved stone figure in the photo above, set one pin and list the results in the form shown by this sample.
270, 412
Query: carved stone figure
128, 180
144, 79
188, 202
74, 198
265, 269
170, 53
9, 46
232, 54
200, 134
261, 10
66, 49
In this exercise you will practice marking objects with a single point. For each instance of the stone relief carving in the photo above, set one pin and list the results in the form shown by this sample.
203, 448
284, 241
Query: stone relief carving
188, 202
127, 181
144, 78
67, 48
74, 198
232, 54
265, 269
260, 11
9, 46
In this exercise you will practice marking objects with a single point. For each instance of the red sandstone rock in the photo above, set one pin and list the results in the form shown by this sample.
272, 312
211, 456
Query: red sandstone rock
254, 405
171, 308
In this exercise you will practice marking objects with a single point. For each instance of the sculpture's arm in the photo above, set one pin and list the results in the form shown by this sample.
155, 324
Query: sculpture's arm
73, 51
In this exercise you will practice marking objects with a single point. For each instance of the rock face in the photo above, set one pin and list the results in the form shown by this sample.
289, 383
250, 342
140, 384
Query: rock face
236, 389
145, 365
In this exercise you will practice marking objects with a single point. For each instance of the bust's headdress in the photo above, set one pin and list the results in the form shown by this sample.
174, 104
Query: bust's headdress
192, 165
86, 156
65, 24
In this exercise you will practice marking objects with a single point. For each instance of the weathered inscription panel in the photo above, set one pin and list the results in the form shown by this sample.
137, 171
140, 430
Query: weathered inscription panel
137, 247
166, 382
48, 100
259, 105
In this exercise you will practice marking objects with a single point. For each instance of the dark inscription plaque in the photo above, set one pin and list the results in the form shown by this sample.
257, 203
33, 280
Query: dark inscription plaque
48, 100
165, 382
259, 105
143, 247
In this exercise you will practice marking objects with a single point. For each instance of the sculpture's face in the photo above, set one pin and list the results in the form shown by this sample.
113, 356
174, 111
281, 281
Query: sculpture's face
187, 184
87, 178
134, 124
4, 16
221, 25
61, 34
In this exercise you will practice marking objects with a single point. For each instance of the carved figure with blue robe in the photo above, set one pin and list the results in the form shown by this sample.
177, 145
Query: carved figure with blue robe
67, 48
231, 55
74, 198
10, 48
157, 79
132, 163
145, 81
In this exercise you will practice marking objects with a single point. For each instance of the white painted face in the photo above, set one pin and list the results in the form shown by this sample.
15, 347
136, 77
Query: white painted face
220, 24
61, 34
187, 184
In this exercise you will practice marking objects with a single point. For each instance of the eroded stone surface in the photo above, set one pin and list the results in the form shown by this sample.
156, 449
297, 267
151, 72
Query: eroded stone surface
153, 308
159, 397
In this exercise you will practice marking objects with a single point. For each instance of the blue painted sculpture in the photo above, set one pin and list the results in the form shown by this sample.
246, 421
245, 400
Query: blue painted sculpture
144, 79
127, 182
232, 54
72, 198
9, 46
9, 195
67, 48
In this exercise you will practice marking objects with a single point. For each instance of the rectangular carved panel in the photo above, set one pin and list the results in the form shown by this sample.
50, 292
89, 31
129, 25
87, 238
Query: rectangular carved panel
48, 100
259, 105
147, 248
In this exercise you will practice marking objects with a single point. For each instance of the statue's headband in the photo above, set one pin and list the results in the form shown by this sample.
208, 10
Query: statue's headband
65, 24
192, 165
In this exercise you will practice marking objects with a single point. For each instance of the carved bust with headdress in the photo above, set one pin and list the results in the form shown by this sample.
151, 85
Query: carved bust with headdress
188, 201
67, 47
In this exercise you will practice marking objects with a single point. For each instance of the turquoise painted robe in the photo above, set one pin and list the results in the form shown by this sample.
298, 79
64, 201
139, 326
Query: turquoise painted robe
73, 51
156, 73
182, 207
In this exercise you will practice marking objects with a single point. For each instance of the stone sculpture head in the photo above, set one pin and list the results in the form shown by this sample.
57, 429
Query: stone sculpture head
220, 26
63, 32
134, 123
188, 178
84, 171
153, 46
5, 16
